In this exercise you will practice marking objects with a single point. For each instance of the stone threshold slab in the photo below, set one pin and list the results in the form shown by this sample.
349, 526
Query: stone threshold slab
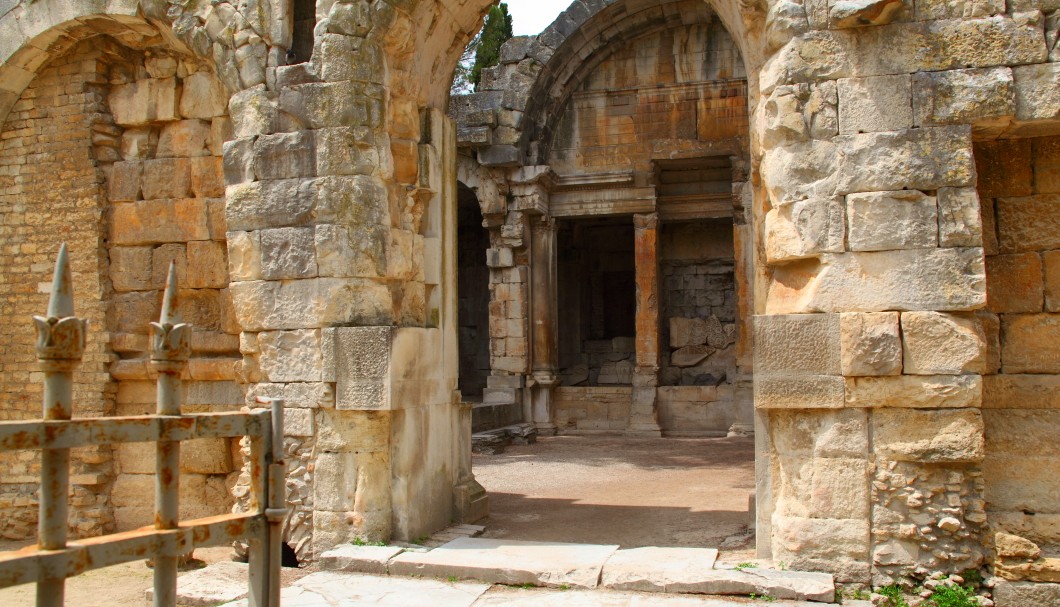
550, 564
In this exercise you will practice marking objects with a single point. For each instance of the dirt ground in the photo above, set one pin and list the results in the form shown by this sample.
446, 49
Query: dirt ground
626, 491
591, 489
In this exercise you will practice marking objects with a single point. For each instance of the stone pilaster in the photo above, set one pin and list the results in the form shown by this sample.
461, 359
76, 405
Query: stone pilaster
643, 418
543, 325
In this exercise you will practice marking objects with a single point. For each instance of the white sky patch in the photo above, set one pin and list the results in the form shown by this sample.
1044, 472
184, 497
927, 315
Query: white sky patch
531, 16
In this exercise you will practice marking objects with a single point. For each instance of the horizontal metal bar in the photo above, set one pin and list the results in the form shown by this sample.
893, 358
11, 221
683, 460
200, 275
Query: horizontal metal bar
19, 435
30, 564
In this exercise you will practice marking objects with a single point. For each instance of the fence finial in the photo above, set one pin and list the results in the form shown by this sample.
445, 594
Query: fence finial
61, 302
170, 311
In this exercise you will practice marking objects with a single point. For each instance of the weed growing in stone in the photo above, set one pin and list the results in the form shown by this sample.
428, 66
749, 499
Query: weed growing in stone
894, 596
452, 579
745, 565
953, 596
763, 597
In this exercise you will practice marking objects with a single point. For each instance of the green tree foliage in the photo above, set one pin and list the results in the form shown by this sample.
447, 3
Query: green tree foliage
496, 31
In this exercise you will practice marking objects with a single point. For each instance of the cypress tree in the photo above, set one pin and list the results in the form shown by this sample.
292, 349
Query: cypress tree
496, 31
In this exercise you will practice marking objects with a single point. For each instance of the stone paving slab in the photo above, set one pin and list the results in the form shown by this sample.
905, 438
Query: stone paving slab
553, 564
338, 589
217, 583
360, 559
654, 569
608, 598
797, 585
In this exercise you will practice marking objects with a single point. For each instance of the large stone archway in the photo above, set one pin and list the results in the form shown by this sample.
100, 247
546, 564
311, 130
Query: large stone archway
340, 209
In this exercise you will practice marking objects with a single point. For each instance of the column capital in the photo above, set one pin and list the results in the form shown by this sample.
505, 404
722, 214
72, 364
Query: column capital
645, 221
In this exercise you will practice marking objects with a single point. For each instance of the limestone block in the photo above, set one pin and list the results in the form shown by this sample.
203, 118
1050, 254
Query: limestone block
400, 256
988, 215
288, 253
838, 546
207, 177
1030, 343
139, 143
304, 395
351, 251
931, 10
1037, 91
690, 356
879, 221
202, 309
1014, 283
123, 184
130, 268
144, 101
285, 155
327, 104
937, 343
347, 58
155, 221
798, 392
869, 282
1029, 223
960, 222
250, 60
1020, 594
873, 104
804, 228
915, 391
348, 480
207, 265
815, 162
202, 96
800, 111
858, 13
806, 344
870, 344
183, 138
921, 159
813, 56
291, 356
353, 431
1008, 479
161, 66
298, 422
837, 433
206, 456
333, 528
784, 20
244, 255
928, 435
1051, 261
1004, 168
167, 178
840, 488
309, 303
162, 257
687, 332
962, 96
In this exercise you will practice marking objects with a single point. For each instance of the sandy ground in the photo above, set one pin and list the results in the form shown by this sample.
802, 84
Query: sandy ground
604, 490
627, 491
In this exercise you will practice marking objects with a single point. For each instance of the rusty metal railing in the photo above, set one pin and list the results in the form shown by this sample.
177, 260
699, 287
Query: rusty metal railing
60, 344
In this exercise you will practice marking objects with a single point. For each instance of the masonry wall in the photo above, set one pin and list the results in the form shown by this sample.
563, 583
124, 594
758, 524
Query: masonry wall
54, 146
1019, 188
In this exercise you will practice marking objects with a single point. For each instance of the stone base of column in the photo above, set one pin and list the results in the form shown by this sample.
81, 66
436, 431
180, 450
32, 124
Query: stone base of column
541, 401
739, 429
471, 501
642, 415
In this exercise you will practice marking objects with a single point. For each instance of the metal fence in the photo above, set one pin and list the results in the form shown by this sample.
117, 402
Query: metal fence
60, 344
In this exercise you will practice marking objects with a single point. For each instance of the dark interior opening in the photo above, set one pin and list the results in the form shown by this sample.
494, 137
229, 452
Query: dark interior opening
305, 19
472, 294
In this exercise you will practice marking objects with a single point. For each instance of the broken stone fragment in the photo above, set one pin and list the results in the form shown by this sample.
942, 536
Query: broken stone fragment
858, 13
690, 355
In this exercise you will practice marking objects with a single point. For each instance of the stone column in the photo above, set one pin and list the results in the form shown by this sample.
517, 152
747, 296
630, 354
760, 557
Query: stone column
642, 415
544, 337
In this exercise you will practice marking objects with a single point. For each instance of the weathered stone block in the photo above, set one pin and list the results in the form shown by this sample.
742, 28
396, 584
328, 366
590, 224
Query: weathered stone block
806, 344
327, 104
932, 10
202, 96
919, 159
184, 138
870, 344
1029, 223
348, 58
870, 282
206, 456
1051, 261
288, 253
962, 96
207, 265
816, 164
291, 356
130, 268
1014, 283
154, 221
1016, 391
309, 303
823, 433
139, 143
244, 255
358, 251
839, 488
1037, 91
207, 177
804, 228
162, 257
879, 221
123, 185
937, 343
874, 104
1004, 167
1025, 594
928, 435
960, 222
799, 112
166, 178
798, 392
144, 101
1030, 343
915, 391
838, 546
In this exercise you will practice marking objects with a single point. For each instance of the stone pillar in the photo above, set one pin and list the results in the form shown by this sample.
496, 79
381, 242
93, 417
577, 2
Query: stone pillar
544, 352
642, 415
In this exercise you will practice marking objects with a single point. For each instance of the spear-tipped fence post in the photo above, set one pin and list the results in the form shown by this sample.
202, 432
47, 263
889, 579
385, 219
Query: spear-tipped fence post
170, 351
60, 345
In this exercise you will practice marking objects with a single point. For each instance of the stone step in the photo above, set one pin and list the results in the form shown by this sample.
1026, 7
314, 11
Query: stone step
584, 566
338, 589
